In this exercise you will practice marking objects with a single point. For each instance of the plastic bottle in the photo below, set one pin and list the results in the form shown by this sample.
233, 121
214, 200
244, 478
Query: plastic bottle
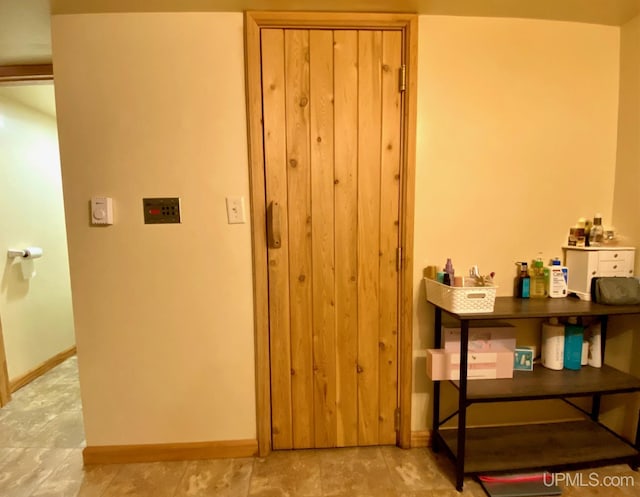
448, 269
552, 351
584, 358
595, 351
538, 287
573, 334
556, 277
596, 234
523, 282
587, 231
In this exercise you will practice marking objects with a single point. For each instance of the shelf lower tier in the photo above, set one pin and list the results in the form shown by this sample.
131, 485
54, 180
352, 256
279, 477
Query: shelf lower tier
545, 383
505, 448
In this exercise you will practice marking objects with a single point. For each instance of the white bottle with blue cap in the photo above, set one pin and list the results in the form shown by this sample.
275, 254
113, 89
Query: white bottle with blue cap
556, 277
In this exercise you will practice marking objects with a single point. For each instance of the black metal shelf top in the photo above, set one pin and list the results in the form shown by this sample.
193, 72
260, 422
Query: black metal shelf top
515, 308
543, 383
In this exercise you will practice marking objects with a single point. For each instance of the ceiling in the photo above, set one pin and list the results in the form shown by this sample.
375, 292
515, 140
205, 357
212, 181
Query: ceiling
25, 34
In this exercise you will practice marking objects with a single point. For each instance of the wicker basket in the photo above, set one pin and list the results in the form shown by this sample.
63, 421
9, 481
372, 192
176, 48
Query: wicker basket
461, 300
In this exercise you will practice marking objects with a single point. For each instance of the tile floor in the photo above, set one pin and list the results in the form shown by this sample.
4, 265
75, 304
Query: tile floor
41, 441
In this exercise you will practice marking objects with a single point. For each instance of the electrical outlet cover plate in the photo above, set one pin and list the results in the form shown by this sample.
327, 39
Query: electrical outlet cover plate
235, 210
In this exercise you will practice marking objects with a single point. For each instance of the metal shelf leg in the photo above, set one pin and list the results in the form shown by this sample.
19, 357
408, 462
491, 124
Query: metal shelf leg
436, 384
462, 404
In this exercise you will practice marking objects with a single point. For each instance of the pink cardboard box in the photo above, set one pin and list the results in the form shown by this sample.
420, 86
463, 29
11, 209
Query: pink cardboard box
493, 338
445, 365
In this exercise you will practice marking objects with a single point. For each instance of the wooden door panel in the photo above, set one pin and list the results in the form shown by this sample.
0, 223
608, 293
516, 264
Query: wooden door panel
322, 236
389, 234
346, 234
296, 47
369, 119
333, 165
275, 149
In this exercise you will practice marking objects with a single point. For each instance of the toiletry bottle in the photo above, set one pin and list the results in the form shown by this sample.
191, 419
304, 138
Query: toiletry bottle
587, 231
556, 277
523, 284
584, 358
538, 289
573, 334
448, 268
552, 345
595, 351
596, 235
581, 229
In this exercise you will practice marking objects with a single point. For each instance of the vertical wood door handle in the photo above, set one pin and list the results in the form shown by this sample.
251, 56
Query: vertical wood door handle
274, 237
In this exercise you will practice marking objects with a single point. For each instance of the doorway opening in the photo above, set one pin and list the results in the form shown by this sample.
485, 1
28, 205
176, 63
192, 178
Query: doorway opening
36, 317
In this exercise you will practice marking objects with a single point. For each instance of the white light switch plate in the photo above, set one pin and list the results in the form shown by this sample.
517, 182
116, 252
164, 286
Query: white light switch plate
235, 210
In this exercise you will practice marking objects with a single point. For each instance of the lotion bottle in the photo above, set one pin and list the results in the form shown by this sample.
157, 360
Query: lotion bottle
556, 277
553, 345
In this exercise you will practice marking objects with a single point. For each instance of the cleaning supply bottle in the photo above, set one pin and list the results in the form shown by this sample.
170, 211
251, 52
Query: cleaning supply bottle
596, 234
552, 351
523, 281
556, 277
573, 333
449, 272
538, 287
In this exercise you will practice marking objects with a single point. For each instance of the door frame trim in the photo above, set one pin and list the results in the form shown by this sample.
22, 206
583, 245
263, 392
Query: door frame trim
26, 73
254, 22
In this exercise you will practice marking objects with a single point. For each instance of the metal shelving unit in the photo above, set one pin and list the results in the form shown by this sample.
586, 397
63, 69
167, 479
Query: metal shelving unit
546, 445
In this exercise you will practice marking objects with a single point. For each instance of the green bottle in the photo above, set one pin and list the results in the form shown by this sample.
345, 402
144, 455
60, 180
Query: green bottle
538, 287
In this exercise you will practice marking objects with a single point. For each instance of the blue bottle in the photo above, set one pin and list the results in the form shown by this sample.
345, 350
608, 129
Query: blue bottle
573, 335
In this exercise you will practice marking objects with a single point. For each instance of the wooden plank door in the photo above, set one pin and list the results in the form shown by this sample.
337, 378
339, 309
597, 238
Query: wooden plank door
332, 141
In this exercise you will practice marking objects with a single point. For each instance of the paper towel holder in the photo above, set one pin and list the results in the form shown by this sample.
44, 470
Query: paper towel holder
29, 252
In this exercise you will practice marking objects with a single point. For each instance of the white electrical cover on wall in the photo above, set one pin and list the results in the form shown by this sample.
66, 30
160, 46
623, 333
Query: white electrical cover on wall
101, 210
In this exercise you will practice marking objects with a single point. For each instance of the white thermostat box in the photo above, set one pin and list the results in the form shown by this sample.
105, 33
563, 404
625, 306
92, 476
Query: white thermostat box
101, 210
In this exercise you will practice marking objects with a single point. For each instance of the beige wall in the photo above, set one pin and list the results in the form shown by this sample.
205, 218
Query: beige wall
626, 206
516, 132
516, 140
37, 320
627, 188
153, 105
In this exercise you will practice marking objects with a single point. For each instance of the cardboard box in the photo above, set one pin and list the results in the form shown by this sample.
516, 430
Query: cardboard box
482, 365
492, 338
445, 365
437, 364
523, 359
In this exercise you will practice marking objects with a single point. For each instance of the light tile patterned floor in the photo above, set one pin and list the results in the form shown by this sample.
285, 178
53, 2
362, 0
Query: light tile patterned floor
41, 439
